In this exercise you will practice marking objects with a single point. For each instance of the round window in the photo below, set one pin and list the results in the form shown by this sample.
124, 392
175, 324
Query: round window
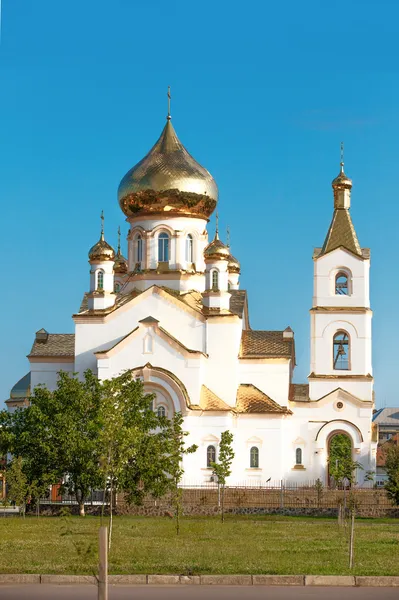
340, 405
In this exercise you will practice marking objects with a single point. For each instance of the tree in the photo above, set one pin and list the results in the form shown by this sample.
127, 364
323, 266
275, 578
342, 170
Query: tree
341, 464
132, 442
17, 483
222, 468
175, 451
392, 470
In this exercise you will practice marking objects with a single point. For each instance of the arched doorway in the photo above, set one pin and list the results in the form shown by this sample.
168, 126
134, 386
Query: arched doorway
341, 466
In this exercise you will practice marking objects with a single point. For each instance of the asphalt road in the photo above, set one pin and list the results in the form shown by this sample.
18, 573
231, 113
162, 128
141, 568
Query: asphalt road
181, 592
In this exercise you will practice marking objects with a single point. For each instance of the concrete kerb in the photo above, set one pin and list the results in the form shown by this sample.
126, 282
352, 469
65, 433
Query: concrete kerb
225, 580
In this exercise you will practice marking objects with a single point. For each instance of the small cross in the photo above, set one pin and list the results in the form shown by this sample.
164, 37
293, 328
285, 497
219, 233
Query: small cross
342, 154
169, 97
228, 237
102, 222
217, 222
119, 239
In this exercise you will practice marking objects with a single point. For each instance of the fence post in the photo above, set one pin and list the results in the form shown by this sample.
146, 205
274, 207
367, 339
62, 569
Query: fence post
281, 494
103, 564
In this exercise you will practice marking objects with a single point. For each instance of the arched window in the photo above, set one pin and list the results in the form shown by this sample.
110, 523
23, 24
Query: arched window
210, 456
163, 247
215, 280
341, 349
341, 284
117, 288
100, 280
189, 248
254, 458
139, 248
161, 412
298, 456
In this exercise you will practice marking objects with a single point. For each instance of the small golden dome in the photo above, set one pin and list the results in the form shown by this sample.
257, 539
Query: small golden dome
233, 265
342, 181
216, 250
101, 251
120, 265
168, 179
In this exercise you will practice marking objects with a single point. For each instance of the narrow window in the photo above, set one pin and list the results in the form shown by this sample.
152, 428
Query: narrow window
210, 456
215, 280
254, 458
100, 280
139, 248
341, 351
298, 456
161, 411
189, 248
163, 247
341, 284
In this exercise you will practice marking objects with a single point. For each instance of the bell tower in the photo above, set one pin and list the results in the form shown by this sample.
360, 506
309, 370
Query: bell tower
341, 315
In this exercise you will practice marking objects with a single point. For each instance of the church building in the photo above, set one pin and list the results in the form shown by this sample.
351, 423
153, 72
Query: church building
173, 311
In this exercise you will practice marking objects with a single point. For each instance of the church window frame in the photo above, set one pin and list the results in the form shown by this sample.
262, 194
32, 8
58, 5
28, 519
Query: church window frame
298, 456
215, 279
210, 455
100, 280
163, 247
341, 351
161, 411
189, 249
342, 283
138, 248
254, 457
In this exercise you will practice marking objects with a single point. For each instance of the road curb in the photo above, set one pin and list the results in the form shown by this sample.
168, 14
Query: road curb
226, 580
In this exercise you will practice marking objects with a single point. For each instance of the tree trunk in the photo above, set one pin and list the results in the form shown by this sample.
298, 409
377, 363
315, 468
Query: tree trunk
110, 514
223, 503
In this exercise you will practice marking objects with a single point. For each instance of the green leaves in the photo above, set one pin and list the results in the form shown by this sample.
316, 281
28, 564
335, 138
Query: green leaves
392, 470
226, 455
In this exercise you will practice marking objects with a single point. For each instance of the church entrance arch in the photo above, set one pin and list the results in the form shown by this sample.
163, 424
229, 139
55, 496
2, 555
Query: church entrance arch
170, 393
338, 440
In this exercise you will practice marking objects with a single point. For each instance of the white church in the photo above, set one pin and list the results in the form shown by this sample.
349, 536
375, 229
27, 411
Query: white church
173, 311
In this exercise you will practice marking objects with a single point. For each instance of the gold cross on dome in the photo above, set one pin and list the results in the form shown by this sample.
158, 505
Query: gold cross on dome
169, 98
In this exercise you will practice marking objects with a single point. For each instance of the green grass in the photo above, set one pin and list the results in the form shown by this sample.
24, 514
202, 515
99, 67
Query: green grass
264, 544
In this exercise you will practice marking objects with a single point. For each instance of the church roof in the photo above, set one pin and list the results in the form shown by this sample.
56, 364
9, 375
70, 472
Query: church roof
251, 399
56, 344
192, 299
266, 344
341, 234
21, 389
210, 401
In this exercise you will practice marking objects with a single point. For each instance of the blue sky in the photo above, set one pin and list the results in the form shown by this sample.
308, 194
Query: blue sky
263, 93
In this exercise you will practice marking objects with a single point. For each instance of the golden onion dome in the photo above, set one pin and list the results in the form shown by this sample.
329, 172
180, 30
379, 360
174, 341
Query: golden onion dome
233, 265
216, 250
102, 250
342, 181
120, 265
168, 179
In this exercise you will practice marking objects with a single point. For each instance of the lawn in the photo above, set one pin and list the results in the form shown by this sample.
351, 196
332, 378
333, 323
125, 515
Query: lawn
245, 544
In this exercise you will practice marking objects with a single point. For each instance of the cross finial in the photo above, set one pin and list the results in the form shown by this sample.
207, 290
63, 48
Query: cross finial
102, 224
342, 157
169, 98
217, 226
119, 240
228, 237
